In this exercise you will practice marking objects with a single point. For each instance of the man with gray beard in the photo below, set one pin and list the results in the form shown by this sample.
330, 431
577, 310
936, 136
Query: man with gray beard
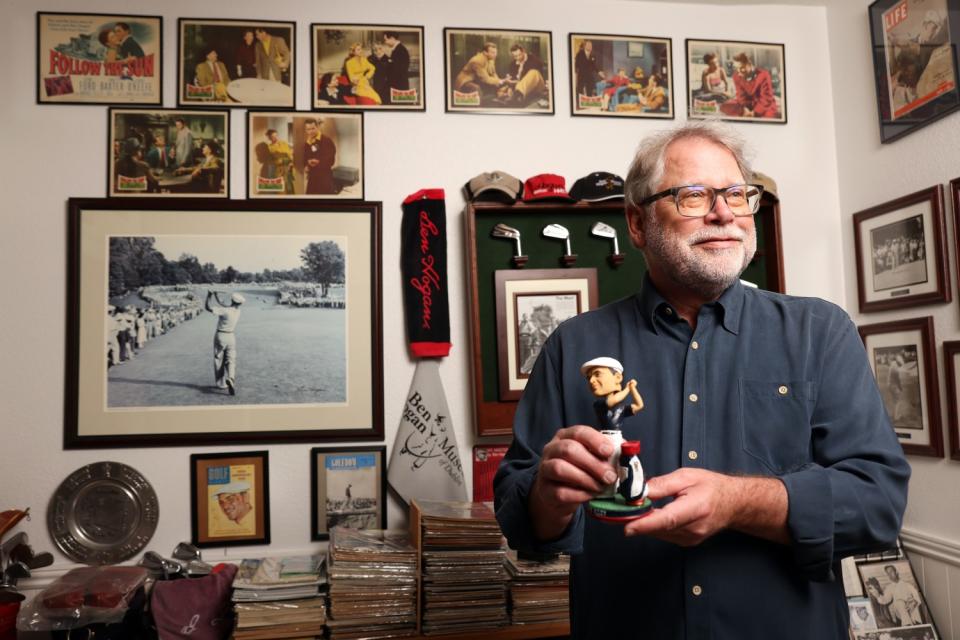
769, 454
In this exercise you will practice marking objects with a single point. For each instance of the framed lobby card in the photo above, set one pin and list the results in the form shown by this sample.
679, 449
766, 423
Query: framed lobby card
236, 63
901, 252
97, 58
742, 81
168, 153
498, 71
915, 62
348, 488
904, 362
288, 297
305, 154
230, 499
367, 66
951, 367
620, 76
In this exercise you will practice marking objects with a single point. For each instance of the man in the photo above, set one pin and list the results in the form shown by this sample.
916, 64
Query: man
587, 70
225, 340
525, 77
480, 73
767, 448
319, 154
234, 500
754, 98
183, 145
397, 65
212, 72
161, 155
128, 47
273, 56
245, 56
281, 156
903, 599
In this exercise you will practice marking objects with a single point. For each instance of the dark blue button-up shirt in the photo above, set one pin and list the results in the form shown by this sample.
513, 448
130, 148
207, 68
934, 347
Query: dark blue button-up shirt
766, 385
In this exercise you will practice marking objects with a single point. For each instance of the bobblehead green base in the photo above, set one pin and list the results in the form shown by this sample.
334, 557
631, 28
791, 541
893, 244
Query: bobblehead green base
616, 509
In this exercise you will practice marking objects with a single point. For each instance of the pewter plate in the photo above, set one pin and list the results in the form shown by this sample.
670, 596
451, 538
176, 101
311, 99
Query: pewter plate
103, 513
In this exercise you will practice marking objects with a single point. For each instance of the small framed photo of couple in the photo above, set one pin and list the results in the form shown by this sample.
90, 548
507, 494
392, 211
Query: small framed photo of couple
742, 81
95, 58
904, 362
901, 252
621, 76
375, 67
230, 499
348, 487
894, 603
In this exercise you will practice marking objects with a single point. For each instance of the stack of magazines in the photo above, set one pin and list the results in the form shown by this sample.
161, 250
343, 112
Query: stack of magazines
373, 584
539, 589
280, 598
464, 581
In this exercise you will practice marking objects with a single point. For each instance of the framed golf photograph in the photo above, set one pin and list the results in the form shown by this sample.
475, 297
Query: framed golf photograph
367, 66
97, 58
904, 362
742, 81
305, 154
230, 499
168, 153
620, 76
530, 304
951, 367
901, 252
214, 322
894, 596
348, 488
236, 63
498, 71
915, 62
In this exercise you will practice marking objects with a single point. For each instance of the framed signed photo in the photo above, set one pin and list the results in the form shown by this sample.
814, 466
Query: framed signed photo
901, 252
362, 66
305, 155
236, 63
230, 499
903, 359
96, 58
167, 152
531, 303
348, 487
620, 76
895, 600
742, 81
498, 71
915, 62
289, 297
951, 366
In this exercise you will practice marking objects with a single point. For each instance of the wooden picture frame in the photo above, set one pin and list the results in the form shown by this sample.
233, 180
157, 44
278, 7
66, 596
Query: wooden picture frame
348, 487
951, 370
877, 579
99, 58
901, 252
230, 499
304, 272
904, 362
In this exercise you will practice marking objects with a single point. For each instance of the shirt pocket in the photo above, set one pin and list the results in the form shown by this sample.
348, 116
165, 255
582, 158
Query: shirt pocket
775, 422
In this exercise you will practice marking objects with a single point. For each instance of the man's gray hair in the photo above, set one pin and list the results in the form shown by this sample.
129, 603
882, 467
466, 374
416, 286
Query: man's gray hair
647, 167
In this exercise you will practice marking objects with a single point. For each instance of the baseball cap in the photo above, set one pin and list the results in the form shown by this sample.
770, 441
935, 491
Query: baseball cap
603, 361
597, 187
498, 186
545, 186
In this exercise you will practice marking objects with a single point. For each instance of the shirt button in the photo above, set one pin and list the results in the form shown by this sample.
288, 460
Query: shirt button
693, 397
692, 455
783, 389
697, 590
668, 311
694, 345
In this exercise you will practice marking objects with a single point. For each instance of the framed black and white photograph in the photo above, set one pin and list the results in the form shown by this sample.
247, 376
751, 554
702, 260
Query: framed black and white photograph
894, 594
620, 76
901, 252
348, 488
530, 304
370, 67
904, 362
861, 613
196, 321
742, 81
951, 367
230, 498
305, 154
498, 71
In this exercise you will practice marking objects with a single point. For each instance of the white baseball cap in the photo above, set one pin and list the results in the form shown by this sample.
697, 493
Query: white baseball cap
603, 361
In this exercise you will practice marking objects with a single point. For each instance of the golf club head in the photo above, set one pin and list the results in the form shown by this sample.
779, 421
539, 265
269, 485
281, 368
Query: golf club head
22, 553
41, 560
603, 230
556, 231
186, 551
15, 571
198, 568
505, 231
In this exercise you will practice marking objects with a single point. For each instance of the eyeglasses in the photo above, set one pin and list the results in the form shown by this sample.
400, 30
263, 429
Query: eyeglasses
697, 200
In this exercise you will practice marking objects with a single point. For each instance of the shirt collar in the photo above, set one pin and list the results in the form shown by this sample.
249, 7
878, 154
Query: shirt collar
730, 305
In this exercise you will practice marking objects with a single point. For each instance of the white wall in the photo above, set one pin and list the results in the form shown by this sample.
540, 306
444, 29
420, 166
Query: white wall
55, 152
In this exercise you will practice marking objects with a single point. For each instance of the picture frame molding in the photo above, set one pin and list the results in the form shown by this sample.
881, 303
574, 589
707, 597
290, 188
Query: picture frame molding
262, 493
951, 356
315, 514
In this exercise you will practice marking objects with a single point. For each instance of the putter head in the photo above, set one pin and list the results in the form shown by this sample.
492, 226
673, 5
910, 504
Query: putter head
603, 230
504, 231
41, 560
556, 231
186, 551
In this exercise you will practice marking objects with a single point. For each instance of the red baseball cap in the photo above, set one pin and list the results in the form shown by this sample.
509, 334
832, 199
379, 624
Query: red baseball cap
545, 186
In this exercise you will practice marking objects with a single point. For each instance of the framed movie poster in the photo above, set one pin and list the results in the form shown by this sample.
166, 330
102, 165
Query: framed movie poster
904, 362
230, 499
364, 66
620, 76
915, 62
305, 155
236, 63
166, 152
743, 81
901, 252
498, 71
531, 303
96, 58
348, 488
951, 365
212, 322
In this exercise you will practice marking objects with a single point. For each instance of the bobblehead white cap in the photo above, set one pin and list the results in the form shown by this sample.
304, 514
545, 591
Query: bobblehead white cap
239, 299
603, 361
238, 486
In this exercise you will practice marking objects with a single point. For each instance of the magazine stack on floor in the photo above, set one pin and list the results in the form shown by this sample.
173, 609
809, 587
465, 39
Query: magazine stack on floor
278, 598
464, 581
539, 589
373, 584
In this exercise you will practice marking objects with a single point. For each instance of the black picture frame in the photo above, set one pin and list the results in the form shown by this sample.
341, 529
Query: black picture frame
365, 465
240, 484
